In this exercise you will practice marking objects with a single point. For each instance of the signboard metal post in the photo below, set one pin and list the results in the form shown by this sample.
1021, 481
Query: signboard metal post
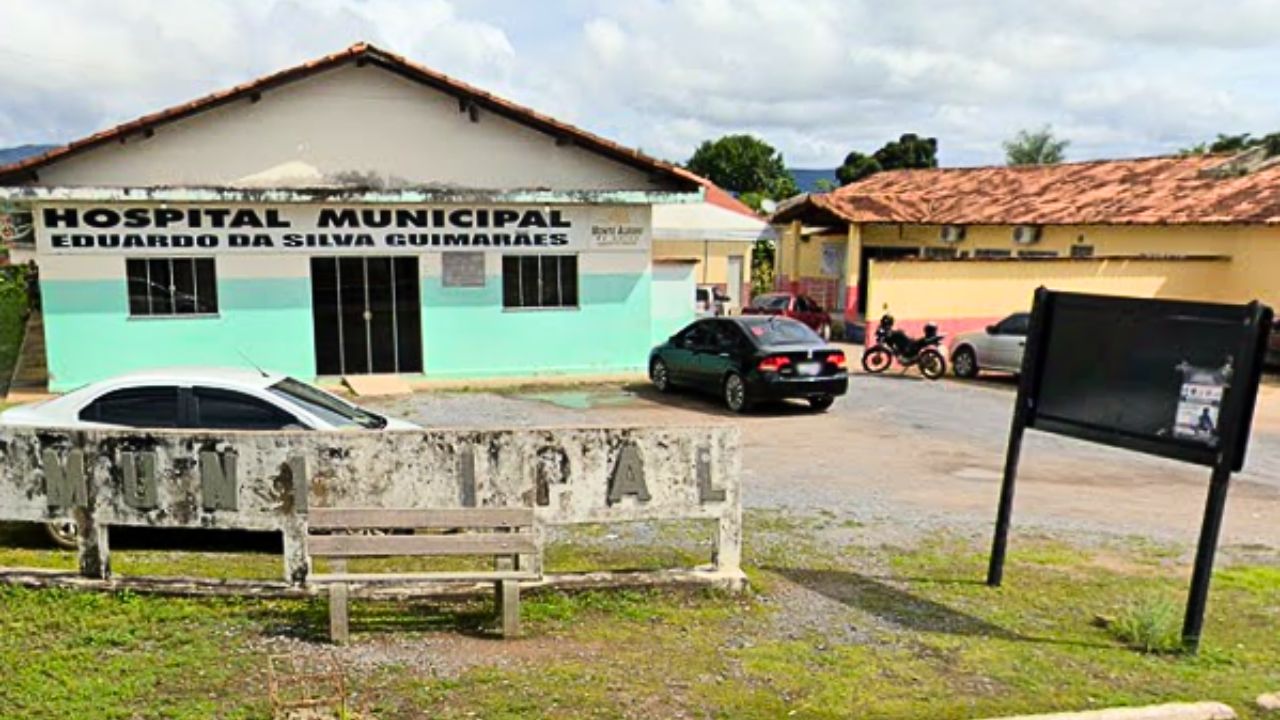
1168, 378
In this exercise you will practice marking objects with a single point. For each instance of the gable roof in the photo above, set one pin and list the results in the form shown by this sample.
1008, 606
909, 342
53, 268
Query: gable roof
1145, 191
362, 53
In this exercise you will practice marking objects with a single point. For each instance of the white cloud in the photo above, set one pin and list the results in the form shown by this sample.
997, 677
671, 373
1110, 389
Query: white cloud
816, 79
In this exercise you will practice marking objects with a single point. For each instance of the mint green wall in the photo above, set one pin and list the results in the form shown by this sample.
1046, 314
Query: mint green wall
673, 301
467, 333
89, 335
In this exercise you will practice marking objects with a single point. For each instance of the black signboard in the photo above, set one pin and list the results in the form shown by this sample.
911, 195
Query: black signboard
1170, 378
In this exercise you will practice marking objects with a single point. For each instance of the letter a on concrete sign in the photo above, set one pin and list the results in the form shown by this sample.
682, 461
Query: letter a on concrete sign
218, 481
628, 476
64, 483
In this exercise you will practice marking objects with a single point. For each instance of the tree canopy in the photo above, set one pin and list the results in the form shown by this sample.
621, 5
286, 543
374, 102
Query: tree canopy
1035, 147
1236, 143
744, 164
908, 151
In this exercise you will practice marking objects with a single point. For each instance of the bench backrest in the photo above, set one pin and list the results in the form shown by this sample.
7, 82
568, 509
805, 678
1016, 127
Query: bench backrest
502, 531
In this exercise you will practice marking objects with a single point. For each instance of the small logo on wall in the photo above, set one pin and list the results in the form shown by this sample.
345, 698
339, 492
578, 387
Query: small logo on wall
618, 227
16, 226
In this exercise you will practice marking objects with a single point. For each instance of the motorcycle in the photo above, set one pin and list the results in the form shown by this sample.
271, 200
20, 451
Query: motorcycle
892, 344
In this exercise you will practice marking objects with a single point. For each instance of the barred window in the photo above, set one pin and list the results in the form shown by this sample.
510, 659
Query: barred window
172, 286
539, 281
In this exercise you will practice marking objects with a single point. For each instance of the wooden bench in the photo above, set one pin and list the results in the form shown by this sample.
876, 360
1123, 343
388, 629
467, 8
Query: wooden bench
508, 535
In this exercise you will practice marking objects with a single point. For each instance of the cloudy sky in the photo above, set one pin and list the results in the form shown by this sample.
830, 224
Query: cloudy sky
816, 78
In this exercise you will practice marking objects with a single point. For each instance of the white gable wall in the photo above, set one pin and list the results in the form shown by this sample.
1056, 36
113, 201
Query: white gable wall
362, 120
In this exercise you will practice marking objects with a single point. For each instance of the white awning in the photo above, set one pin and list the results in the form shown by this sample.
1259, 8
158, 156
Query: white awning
707, 221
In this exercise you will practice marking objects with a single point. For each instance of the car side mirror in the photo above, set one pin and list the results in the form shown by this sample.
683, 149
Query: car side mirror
991, 329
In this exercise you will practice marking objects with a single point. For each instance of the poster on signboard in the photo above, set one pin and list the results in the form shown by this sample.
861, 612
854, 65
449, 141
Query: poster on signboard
1199, 402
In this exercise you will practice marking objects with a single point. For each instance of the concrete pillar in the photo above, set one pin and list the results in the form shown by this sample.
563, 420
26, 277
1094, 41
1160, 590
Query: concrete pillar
95, 551
793, 269
853, 263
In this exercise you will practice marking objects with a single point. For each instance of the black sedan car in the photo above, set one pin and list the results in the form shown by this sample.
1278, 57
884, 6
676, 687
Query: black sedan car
750, 359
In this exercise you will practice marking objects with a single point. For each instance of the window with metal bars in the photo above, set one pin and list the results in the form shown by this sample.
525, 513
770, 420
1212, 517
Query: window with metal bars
165, 287
539, 281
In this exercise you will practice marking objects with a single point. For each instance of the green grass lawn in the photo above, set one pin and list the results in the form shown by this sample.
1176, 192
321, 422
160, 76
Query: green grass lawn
830, 630
13, 314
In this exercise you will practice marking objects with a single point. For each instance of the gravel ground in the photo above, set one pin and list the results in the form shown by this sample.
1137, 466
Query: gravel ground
916, 456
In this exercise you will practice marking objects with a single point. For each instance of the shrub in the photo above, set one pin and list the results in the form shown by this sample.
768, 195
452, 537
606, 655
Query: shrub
1151, 625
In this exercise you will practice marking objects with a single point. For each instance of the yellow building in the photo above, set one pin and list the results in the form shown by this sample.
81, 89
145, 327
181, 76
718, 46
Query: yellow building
963, 247
717, 234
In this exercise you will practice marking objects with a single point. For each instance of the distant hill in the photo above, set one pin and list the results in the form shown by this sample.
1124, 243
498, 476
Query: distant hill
14, 154
808, 179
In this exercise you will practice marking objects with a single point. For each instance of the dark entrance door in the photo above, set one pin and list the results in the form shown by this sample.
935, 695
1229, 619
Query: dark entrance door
367, 315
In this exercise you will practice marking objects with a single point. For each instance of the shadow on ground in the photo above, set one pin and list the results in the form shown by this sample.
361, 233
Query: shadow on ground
904, 609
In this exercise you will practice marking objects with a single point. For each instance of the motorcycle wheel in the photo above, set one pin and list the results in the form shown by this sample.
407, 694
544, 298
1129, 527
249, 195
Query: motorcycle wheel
876, 359
932, 364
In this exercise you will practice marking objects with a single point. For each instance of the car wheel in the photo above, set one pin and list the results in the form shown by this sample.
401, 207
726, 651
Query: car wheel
932, 365
63, 533
735, 394
822, 402
876, 359
964, 363
660, 374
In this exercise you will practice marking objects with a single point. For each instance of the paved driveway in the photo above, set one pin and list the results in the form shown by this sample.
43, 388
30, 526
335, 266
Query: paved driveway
921, 455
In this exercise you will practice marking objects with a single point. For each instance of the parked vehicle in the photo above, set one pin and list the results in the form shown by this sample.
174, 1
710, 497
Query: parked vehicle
895, 345
196, 398
746, 360
998, 347
1273, 346
798, 307
710, 302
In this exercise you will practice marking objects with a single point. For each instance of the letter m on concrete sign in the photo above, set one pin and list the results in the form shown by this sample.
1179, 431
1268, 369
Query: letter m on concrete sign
64, 481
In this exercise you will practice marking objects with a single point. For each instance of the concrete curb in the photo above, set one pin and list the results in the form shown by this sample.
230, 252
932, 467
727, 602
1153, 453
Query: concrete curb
1171, 711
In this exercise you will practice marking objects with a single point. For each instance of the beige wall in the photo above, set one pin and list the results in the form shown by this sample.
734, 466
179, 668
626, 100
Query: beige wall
712, 257
976, 289
1254, 272
347, 120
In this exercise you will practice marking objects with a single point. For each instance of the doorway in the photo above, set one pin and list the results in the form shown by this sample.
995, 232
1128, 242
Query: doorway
367, 315
734, 281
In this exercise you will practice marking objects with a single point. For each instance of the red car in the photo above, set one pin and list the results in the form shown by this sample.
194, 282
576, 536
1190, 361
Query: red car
801, 307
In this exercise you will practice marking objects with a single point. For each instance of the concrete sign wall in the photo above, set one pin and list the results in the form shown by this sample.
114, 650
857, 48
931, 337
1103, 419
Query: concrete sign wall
255, 481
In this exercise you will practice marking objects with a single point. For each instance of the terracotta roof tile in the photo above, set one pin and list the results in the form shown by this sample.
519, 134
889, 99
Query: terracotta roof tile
1146, 191
359, 52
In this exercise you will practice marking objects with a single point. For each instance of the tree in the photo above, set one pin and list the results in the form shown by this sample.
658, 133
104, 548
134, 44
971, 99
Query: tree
823, 185
1236, 143
907, 152
1039, 147
744, 164
857, 166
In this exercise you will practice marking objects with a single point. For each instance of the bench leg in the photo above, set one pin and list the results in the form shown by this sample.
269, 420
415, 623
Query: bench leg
506, 599
338, 627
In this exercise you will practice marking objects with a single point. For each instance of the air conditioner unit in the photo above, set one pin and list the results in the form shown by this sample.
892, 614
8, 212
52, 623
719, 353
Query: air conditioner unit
1026, 234
952, 234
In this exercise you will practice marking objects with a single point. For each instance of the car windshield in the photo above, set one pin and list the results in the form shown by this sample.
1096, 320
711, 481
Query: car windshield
783, 331
771, 302
325, 406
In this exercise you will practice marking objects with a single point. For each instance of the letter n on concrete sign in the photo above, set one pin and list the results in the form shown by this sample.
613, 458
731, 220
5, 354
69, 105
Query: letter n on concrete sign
218, 488
64, 482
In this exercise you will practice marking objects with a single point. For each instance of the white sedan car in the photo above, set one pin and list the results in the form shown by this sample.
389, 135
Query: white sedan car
195, 398
200, 398
999, 347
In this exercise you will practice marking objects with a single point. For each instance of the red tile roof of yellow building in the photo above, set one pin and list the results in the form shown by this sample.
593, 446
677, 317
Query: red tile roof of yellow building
1145, 191
358, 53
